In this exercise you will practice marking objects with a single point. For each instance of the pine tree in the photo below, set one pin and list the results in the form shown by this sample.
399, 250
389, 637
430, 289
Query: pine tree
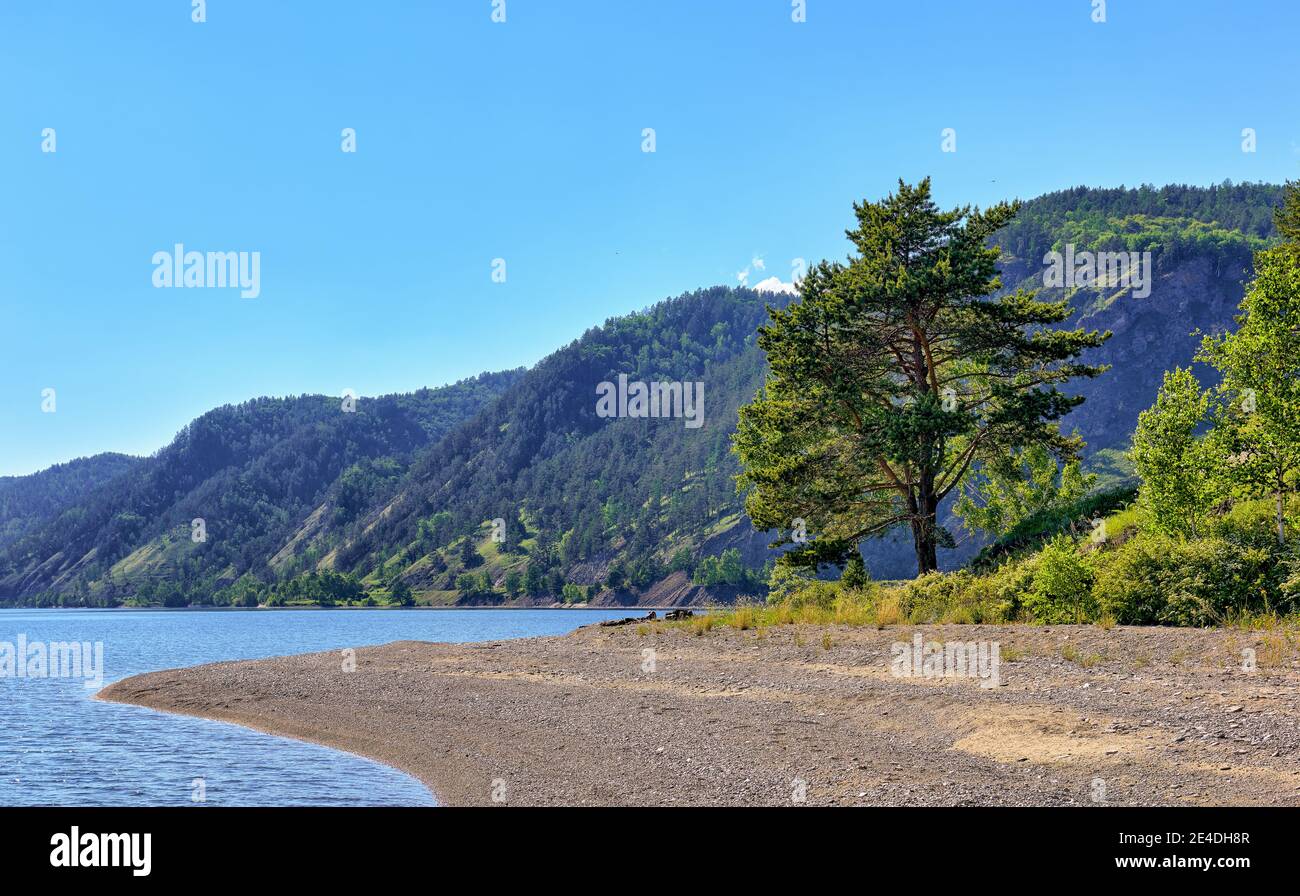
894, 372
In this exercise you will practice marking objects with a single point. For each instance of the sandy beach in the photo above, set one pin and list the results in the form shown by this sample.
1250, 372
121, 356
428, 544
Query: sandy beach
657, 714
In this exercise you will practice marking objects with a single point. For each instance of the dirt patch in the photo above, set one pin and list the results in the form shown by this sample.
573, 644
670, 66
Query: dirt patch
1041, 736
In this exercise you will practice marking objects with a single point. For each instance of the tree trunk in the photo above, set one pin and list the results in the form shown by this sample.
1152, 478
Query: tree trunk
925, 532
1281, 519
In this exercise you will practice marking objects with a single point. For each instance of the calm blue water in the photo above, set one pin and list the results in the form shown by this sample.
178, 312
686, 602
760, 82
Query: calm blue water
58, 746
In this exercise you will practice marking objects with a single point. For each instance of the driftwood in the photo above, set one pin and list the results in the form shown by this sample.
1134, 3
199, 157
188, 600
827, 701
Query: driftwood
678, 614
629, 620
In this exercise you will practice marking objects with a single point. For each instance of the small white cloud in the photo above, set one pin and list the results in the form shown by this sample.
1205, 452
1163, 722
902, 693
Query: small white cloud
775, 284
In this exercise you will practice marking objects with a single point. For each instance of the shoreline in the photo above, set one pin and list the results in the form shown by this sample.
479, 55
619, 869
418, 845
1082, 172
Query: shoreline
570, 608
208, 717
654, 714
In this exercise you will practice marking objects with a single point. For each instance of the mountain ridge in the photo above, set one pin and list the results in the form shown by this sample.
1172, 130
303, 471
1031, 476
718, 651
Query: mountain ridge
617, 511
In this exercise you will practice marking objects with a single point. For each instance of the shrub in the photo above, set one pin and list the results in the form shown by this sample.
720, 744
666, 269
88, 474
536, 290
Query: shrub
818, 594
1210, 578
1156, 579
1128, 580
1252, 522
854, 577
784, 581
1032, 532
1009, 584
1062, 584
960, 597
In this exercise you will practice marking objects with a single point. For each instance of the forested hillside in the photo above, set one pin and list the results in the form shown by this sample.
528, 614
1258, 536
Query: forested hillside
28, 501
583, 496
252, 473
397, 501
1201, 242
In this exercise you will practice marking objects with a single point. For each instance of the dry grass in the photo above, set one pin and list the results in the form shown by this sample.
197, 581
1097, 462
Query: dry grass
701, 625
889, 609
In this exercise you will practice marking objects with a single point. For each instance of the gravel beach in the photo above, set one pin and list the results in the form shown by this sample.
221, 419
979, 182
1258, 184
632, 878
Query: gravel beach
657, 714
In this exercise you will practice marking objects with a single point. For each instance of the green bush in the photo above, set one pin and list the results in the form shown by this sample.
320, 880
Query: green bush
785, 581
1253, 523
957, 597
855, 576
1160, 580
1128, 584
1062, 585
1209, 579
1009, 585
815, 593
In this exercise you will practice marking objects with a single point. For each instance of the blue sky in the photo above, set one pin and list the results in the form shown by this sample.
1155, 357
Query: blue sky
523, 141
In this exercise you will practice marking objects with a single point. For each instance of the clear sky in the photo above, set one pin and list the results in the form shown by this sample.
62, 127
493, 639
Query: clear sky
523, 141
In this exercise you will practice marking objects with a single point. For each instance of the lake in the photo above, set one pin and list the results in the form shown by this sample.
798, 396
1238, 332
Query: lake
61, 747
